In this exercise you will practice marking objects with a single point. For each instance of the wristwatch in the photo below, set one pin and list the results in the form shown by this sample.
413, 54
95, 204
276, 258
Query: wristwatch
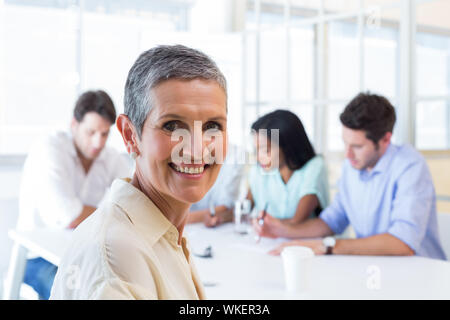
329, 243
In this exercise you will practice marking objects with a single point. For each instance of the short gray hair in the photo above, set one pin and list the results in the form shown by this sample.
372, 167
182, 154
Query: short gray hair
160, 64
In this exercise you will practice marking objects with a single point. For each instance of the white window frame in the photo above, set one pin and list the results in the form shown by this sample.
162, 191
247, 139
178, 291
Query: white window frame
406, 99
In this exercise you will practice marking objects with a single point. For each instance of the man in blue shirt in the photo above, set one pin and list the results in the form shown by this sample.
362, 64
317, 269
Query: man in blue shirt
385, 193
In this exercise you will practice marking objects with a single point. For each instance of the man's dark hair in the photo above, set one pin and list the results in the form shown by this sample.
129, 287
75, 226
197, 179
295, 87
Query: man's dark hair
371, 113
95, 101
293, 141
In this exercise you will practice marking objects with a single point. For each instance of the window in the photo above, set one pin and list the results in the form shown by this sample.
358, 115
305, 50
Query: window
39, 75
54, 50
433, 87
330, 54
279, 63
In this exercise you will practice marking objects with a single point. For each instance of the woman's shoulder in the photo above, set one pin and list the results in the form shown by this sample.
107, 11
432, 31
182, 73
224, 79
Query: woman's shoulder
315, 164
121, 243
104, 252
253, 173
83, 257
119, 231
107, 227
258, 179
316, 161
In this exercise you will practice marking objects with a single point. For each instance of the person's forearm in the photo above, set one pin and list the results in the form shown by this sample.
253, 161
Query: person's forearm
197, 216
226, 213
306, 205
250, 197
312, 228
381, 244
86, 212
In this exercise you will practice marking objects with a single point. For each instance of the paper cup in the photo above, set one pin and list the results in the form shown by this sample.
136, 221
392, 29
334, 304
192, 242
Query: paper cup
297, 264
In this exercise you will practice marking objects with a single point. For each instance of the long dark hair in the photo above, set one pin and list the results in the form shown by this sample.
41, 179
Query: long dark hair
294, 142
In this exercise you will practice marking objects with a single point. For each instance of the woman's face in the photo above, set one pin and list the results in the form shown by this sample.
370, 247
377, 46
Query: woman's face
174, 156
268, 155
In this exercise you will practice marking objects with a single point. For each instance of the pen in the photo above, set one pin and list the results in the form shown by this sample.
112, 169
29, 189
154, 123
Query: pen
261, 220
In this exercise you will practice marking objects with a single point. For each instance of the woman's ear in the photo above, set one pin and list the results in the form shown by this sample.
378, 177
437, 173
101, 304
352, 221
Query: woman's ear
128, 133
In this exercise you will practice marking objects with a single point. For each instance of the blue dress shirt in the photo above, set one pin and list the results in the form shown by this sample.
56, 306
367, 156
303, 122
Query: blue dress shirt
397, 197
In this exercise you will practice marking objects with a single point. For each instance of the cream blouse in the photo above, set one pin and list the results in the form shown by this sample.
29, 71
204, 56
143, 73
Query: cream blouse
127, 249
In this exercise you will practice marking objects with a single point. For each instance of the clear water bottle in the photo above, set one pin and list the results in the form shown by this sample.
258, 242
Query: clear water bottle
242, 219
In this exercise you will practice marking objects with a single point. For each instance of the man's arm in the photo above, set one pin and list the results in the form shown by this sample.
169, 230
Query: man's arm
408, 219
86, 212
56, 200
312, 228
383, 244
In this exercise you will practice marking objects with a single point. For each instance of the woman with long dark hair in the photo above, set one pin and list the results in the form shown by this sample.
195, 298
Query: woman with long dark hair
289, 181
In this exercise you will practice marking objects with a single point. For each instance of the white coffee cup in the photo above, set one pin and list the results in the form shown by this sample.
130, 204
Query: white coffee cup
297, 262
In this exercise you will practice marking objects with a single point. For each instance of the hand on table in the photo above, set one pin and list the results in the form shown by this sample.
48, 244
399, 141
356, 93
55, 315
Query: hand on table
219, 218
271, 228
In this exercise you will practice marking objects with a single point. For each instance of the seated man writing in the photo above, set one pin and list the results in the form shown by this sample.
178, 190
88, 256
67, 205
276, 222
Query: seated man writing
66, 176
385, 193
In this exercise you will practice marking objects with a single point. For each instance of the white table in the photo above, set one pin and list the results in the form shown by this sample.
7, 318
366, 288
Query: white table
46, 243
242, 269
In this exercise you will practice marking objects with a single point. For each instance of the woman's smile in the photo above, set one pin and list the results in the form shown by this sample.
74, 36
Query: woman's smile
189, 171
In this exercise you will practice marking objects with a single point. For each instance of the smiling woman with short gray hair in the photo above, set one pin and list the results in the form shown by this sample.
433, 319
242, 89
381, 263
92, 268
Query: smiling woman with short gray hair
133, 247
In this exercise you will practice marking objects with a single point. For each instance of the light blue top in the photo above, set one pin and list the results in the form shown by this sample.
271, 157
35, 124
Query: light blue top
283, 198
397, 196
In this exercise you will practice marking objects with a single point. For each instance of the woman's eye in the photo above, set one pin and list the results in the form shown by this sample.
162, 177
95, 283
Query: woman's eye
213, 126
170, 126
